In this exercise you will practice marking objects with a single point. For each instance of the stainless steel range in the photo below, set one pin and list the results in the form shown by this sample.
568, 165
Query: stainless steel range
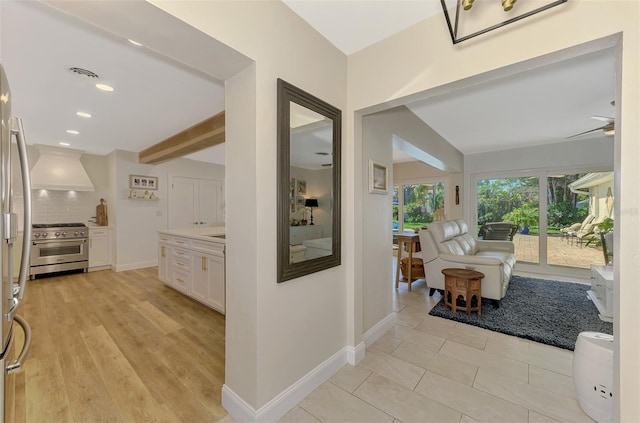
57, 247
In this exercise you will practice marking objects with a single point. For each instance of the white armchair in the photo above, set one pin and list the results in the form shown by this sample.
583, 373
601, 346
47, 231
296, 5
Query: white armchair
448, 244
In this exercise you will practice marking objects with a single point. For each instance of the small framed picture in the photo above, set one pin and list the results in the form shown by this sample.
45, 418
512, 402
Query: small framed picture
146, 182
300, 201
378, 178
292, 188
302, 187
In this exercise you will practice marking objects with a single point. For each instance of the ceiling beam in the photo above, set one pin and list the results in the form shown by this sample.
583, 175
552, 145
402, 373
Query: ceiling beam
202, 135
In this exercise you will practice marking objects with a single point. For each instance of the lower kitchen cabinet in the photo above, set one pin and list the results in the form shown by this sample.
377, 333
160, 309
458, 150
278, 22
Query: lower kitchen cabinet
194, 267
208, 280
99, 248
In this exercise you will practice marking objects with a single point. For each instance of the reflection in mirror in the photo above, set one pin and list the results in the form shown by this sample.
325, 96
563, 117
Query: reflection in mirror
308, 183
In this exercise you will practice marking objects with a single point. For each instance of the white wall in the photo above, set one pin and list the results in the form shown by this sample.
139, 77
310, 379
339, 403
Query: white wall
294, 334
421, 61
137, 222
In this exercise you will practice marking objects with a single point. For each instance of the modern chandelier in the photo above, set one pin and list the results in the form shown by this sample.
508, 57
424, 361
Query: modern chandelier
473, 18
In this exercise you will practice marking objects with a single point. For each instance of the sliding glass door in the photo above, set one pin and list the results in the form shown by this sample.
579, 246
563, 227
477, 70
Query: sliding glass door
552, 210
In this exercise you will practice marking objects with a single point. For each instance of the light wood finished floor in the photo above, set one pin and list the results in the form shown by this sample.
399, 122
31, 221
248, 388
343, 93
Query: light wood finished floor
119, 347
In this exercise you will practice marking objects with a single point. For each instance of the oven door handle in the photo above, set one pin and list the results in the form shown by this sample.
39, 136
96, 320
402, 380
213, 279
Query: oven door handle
53, 241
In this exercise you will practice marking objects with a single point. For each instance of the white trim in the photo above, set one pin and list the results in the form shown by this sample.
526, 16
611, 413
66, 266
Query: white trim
135, 266
287, 399
355, 354
380, 328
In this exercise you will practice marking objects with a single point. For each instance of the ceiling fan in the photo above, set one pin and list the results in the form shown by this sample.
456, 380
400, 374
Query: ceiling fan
608, 128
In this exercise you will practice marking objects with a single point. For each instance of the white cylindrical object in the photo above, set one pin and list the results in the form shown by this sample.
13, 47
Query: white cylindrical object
593, 375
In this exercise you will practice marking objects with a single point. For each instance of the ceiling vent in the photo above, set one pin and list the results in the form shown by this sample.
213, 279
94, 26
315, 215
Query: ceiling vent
84, 72
60, 169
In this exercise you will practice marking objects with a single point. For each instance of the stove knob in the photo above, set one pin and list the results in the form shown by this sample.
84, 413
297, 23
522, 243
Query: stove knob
75, 233
45, 234
37, 234
64, 234
81, 233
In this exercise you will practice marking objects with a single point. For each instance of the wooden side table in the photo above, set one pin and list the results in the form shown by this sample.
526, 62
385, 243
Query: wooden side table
410, 239
466, 283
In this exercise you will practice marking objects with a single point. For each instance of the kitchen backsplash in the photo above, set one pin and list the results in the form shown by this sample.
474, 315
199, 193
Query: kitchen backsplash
51, 206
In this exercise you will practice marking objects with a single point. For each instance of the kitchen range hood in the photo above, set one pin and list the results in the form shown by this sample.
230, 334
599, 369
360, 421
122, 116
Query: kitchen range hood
60, 169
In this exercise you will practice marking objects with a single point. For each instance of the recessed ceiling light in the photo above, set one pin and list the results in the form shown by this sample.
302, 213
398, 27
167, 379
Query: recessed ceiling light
72, 131
135, 43
66, 144
83, 114
104, 87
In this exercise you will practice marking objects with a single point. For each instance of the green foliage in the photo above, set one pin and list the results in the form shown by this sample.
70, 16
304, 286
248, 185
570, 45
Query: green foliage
563, 213
606, 225
498, 197
523, 216
420, 201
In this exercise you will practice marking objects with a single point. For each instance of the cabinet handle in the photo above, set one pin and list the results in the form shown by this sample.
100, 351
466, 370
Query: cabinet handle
180, 253
179, 280
162, 252
180, 264
204, 264
179, 242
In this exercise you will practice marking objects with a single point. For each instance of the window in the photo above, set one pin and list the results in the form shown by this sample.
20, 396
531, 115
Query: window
513, 200
420, 203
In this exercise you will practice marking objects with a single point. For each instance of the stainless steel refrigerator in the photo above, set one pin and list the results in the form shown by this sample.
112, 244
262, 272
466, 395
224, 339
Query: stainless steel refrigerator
12, 290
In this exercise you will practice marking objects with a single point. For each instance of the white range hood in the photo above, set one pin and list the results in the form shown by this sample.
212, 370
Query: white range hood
60, 169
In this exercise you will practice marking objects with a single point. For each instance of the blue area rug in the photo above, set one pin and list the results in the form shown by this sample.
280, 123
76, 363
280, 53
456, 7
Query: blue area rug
550, 312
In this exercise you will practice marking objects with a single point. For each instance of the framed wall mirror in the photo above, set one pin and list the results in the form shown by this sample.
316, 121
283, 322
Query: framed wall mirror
309, 145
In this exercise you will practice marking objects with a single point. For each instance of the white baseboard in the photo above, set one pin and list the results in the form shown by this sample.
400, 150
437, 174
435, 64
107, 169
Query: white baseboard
134, 266
287, 399
355, 354
380, 328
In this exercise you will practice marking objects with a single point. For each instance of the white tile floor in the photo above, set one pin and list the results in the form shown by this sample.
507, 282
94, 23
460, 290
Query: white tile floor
428, 369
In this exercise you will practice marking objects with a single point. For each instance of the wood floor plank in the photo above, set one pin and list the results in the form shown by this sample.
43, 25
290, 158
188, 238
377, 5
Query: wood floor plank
119, 346
129, 393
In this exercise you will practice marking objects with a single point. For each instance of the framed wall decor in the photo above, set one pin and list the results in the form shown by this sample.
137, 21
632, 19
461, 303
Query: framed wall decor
302, 187
378, 178
292, 188
143, 182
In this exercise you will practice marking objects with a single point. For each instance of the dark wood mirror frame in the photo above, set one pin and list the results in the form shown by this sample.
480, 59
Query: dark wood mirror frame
288, 93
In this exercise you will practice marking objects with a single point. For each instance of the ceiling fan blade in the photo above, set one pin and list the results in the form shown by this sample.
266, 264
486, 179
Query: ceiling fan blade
603, 118
588, 132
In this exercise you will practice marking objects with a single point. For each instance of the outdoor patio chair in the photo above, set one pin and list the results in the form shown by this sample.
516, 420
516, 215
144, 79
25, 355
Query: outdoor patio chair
576, 227
588, 232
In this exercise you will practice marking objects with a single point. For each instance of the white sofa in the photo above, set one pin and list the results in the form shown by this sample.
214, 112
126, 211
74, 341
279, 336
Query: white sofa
448, 244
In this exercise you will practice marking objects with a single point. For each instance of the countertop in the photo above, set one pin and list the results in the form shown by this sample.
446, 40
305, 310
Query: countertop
203, 234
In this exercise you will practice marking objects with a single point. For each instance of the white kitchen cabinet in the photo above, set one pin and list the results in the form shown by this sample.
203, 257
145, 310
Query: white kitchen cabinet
99, 248
195, 202
165, 253
193, 266
208, 279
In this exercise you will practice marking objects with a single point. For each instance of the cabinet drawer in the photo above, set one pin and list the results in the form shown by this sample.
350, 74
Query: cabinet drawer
181, 279
181, 242
180, 254
208, 247
184, 265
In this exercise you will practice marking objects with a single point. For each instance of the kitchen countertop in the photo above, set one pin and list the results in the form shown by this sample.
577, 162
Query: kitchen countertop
208, 233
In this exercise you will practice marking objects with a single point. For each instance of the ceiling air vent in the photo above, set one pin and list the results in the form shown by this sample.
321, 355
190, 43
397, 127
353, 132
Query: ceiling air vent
84, 72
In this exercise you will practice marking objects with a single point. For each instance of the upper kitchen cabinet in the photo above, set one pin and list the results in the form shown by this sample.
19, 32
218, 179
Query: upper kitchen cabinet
195, 202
